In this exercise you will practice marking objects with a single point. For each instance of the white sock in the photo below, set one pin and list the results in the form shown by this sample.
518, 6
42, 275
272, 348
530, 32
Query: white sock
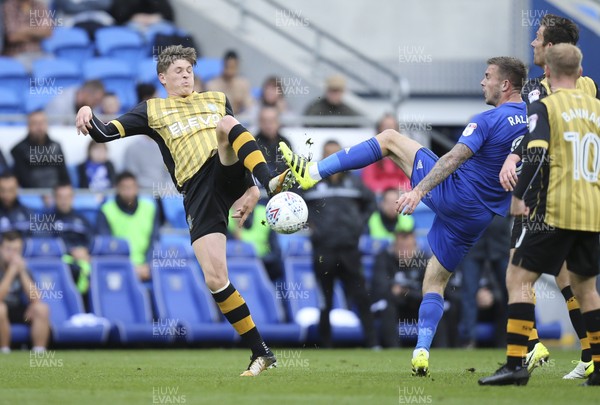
313, 171
5, 350
221, 289
416, 351
38, 349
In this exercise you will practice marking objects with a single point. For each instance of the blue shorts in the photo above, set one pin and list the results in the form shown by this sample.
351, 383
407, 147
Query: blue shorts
460, 218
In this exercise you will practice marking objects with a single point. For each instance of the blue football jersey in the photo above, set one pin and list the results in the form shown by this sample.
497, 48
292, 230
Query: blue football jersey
492, 135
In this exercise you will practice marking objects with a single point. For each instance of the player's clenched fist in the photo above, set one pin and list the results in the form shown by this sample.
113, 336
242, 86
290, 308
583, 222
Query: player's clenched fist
83, 120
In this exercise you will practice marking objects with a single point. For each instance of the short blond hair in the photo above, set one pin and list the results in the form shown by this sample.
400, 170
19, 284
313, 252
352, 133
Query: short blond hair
173, 53
564, 60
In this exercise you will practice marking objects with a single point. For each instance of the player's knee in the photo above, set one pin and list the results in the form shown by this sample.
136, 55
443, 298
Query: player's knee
224, 126
40, 310
215, 280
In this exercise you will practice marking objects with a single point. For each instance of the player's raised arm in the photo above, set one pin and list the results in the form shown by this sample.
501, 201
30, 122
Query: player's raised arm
132, 123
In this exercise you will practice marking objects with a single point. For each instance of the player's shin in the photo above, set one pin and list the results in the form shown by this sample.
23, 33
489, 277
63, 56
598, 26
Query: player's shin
233, 306
592, 324
245, 147
519, 326
355, 157
577, 322
430, 314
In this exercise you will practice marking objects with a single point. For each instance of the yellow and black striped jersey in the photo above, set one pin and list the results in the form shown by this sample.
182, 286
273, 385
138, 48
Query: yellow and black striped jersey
183, 127
565, 126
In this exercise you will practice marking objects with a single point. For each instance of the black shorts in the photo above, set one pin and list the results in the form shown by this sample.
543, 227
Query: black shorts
517, 229
543, 249
208, 196
16, 313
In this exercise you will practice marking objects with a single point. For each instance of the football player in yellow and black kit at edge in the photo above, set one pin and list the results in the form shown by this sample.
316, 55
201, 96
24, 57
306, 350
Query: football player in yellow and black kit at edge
213, 161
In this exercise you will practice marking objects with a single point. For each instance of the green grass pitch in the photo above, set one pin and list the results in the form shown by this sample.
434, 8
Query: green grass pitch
304, 376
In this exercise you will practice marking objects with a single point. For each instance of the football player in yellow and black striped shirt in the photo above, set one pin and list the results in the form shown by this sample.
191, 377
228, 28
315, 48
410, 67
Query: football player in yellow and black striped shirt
210, 156
563, 160
553, 30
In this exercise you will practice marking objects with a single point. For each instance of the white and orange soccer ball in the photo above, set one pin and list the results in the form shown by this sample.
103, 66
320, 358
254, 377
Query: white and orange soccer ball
287, 213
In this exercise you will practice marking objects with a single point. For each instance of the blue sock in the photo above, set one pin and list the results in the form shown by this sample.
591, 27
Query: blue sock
430, 313
355, 157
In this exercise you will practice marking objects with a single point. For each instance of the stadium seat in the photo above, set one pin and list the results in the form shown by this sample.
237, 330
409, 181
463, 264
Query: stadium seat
371, 247
117, 76
118, 295
250, 278
167, 238
423, 216
56, 288
121, 43
301, 292
88, 205
147, 74
69, 43
296, 246
13, 76
109, 246
52, 76
44, 247
20, 333
32, 201
208, 68
183, 299
174, 212
238, 248
10, 102
367, 264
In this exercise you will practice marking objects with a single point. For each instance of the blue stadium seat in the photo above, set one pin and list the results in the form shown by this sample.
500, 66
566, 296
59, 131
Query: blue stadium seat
147, 74
88, 205
183, 299
367, 264
121, 43
32, 201
208, 68
238, 248
174, 212
296, 246
167, 238
69, 43
44, 247
37, 102
371, 247
117, 76
250, 278
10, 102
13, 76
109, 246
19, 333
118, 295
301, 292
54, 75
57, 290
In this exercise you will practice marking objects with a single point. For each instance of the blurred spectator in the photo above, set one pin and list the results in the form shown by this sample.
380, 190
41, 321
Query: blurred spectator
97, 172
39, 161
384, 173
2, 30
63, 108
89, 15
264, 240
3, 165
331, 104
26, 24
144, 160
145, 91
339, 208
15, 284
76, 233
13, 214
272, 95
236, 88
492, 250
268, 138
396, 290
385, 222
131, 218
143, 15
111, 105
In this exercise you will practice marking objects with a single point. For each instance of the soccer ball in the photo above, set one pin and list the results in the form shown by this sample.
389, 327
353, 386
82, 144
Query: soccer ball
287, 213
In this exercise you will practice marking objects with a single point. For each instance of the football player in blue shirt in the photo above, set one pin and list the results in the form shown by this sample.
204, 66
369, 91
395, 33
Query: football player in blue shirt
461, 187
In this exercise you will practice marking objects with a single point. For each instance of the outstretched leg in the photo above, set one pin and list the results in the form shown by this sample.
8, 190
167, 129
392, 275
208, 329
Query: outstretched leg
400, 148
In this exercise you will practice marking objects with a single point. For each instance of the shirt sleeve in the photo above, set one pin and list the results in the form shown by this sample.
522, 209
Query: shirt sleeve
228, 108
475, 133
134, 122
537, 146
